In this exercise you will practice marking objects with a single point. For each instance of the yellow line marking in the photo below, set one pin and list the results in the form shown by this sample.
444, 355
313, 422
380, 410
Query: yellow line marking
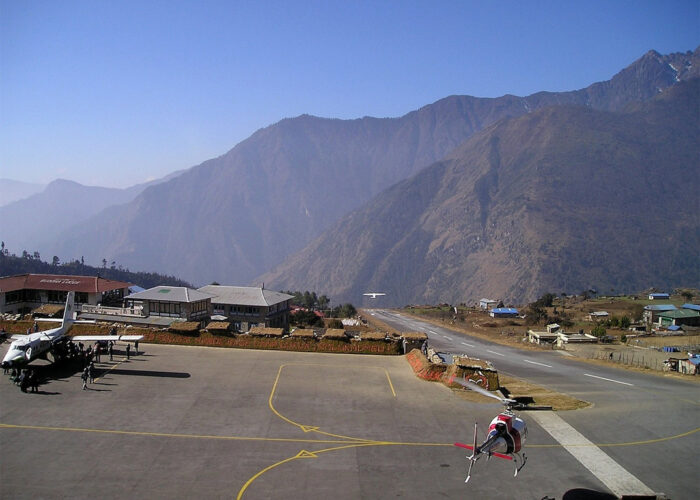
260, 473
355, 442
305, 428
301, 454
628, 443
168, 435
110, 368
390, 384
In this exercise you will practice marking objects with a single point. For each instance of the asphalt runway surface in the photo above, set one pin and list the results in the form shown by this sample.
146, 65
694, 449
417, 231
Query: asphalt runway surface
184, 422
646, 423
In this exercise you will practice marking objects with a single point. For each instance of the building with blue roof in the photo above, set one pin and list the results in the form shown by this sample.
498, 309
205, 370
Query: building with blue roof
659, 296
694, 307
503, 312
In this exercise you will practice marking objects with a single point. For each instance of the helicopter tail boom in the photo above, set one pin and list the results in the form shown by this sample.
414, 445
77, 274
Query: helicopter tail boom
495, 454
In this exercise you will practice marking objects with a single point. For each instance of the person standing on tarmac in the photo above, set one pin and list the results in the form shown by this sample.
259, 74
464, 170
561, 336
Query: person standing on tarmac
128, 350
111, 350
33, 381
84, 378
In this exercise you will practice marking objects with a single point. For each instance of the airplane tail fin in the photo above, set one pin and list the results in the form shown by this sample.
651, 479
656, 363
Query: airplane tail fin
68, 311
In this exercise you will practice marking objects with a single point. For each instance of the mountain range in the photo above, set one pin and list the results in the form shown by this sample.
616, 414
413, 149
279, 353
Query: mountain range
233, 218
566, 198
36, 220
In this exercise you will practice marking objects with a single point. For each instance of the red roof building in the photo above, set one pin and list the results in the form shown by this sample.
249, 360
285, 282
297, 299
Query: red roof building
22, 293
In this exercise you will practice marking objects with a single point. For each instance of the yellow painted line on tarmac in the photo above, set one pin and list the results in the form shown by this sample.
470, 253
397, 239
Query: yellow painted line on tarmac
110, 368
354, 442
170, 435
390, 384
628, 443
301, 454
305, 428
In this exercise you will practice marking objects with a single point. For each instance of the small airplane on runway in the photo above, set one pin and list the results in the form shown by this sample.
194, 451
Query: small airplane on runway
27, 348
506, 436
373, 295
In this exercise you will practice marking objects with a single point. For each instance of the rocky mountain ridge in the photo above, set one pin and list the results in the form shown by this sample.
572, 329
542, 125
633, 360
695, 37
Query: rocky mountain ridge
244, 212
563, 199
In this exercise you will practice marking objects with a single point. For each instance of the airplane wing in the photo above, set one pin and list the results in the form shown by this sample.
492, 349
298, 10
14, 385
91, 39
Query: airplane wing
97, 338
19, 336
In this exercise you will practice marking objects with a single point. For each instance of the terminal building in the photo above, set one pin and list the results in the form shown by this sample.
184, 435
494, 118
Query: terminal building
247, 307
23, 293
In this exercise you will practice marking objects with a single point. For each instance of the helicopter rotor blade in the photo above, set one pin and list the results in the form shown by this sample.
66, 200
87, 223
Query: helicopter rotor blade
476, 388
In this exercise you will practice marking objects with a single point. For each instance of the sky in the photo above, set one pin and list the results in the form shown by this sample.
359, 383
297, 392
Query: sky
115, 93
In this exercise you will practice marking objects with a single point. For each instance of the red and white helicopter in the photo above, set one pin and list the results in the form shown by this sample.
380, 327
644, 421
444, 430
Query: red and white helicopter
506, 436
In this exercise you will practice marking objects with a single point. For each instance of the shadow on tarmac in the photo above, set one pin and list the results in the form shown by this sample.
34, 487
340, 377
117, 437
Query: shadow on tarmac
586, 494
148, 373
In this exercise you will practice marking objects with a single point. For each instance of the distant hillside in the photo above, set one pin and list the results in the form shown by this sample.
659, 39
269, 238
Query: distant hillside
234, 217
11, 190
11, 265
563, 199
33, 223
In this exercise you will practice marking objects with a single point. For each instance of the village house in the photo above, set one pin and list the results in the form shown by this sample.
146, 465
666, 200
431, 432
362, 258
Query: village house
548, 337
679, 317
487, 304
651, 312
596, 316
503, 312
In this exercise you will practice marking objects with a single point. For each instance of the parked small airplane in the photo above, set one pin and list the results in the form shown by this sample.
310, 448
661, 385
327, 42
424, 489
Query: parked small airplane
506, 437
27, 348
373, 295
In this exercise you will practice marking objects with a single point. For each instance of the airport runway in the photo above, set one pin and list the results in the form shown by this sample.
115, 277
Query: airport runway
629, 406
183, 422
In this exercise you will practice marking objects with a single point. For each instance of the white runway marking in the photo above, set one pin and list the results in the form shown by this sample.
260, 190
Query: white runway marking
448, 338
536, 363
468, 345
609, 472
608, 379
496, 353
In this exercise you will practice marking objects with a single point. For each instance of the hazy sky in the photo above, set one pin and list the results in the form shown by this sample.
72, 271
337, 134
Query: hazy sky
114, 93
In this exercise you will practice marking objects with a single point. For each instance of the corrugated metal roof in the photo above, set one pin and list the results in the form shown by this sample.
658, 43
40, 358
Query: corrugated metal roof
694, 307
244, 295
59, 282
680, 313
504, 310
660, 307
170, 294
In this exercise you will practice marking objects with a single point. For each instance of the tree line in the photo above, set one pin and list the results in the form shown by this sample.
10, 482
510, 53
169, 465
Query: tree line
11, 264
